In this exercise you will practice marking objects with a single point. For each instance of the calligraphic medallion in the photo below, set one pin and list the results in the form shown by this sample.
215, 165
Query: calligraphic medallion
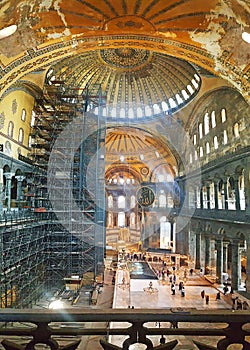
145, 196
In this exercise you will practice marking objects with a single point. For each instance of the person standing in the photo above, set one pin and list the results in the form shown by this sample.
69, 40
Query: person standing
173, 288
183, 291
203, 294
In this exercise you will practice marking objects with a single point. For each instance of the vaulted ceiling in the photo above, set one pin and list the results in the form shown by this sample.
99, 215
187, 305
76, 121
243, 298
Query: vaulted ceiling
207, 33
143, 53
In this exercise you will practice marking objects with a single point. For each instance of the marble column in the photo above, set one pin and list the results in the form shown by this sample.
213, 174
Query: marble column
208, 196
225, 194
198, 251
216, 205
235, 277
201, 198
207, 254
225, 257
8, 177
19, 196
219, 260
195, 197
237, 193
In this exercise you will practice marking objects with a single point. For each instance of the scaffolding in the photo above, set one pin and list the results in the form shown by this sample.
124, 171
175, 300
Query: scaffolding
67, 139
62, 233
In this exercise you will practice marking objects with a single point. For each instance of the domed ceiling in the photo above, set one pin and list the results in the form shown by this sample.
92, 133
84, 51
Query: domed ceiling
136, 83
206, 33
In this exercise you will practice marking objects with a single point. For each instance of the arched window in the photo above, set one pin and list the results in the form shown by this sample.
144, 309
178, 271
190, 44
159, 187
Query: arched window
201, 152
30, 141
32, 120
242, 191
195, 139
132, 219
172, 102
185, 94
162, 200
216, 145
179, 99
110, 201
200, 131
236, 130
190, 89
195, 155
10, 129
121, 202
195, 84
207, 148
23, 116
164, 106
223, 115
132, 202
190, 158
20, 135
121, 219
206, 124
139, 112
213, 119
225, 139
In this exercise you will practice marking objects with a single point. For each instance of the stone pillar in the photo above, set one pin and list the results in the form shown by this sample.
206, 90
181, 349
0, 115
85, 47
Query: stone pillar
198, 251
219, 260
225, 256
8, 177
201, 197
225, 194
235, 277
207, 254
195, 197
19, 196
237, 193
216, 195
208, 195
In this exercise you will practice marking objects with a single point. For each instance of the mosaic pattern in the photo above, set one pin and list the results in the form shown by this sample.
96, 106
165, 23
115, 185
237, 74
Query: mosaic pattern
126, 57
2, 120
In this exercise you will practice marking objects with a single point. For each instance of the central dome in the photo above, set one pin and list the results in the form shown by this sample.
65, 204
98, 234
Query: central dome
136, 84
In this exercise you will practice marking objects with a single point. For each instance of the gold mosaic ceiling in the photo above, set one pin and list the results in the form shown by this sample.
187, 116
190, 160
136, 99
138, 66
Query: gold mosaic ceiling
207, 33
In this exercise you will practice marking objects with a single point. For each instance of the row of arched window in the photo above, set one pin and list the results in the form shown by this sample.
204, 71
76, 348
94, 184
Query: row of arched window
162, 200
209, 122
11, 132
215, 142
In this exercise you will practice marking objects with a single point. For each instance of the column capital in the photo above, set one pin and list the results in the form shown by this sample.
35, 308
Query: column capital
8, 175
19, 178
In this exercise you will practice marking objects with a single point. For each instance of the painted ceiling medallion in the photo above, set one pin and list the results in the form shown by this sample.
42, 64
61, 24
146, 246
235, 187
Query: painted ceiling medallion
125, 57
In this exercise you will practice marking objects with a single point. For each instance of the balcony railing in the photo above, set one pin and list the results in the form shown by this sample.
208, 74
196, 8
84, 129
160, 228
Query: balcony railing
221, 328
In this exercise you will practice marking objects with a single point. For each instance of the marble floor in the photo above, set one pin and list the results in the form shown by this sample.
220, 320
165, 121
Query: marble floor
156, 293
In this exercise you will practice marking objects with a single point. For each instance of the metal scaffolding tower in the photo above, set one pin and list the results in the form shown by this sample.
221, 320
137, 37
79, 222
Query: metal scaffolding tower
74, 162
62, 230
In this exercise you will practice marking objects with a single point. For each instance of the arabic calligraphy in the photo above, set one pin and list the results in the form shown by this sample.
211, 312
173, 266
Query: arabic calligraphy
145, 196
